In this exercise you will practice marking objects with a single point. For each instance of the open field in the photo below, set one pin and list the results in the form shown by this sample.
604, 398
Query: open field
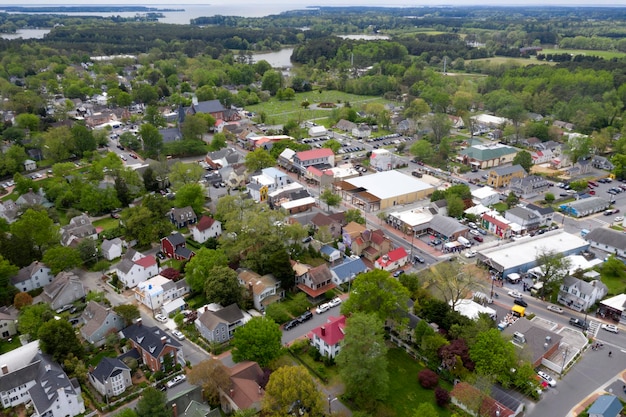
602, 54
280, 112
505, 60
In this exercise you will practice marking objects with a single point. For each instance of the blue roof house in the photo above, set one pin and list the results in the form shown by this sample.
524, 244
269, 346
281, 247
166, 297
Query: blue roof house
347, 270
605, 406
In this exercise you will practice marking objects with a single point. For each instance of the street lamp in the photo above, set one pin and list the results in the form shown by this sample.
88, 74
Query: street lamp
565, 352
330, 400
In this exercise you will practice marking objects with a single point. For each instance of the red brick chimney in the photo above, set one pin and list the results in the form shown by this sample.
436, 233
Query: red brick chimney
163, 339
323, 331
138, 322
175, 410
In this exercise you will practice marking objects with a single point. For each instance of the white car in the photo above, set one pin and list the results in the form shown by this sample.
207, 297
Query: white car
610, 328
334, 302
175, 381
474, 232
322, 308
515, 294
472, 225
554, 308
178, 334
470, 253
547, 378
618, 219
160, 318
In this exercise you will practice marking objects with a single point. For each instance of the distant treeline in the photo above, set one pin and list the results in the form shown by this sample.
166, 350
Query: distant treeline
86, 9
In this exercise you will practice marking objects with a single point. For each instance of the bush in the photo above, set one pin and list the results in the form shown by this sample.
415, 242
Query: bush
428, 379
442, 397
277, 312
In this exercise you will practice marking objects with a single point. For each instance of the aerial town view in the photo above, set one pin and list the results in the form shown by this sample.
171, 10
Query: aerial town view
350, 211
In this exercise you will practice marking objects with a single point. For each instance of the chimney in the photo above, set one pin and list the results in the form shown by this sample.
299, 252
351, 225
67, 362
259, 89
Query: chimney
232, 393
323, 331
174, 410
259, 389
5, 369
138, 322
163, 339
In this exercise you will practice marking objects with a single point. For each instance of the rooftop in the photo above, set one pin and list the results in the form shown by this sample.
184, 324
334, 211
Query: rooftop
389, 184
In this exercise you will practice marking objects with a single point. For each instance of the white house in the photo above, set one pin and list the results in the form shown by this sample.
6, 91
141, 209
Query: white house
33, 276
486, 196
327, 338
135, 268
322, 158
111, 377
206, 228
111, 249
30, 165
395, 259
269, 180
383, 160
579, 295
317, 131
158, 290
607, 240
79, 228
29, 377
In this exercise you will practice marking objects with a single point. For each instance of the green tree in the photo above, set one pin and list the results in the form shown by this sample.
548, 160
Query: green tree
152, 404
426, 410
549, 197
354, 215
579, 185
333, 145
281, 393
154, 117
272, 81
511, 199
222, 286
31, 318
331, 199
218, 142
456, 207
259, 159
377, 292
362, 360
450, 281
212, 376
128, 312
182, 174
27, 121
37, 228
58, 338
199, 267
127, 412
554, 267
194, 127
440, 125
191, 195
58, 144
7, 290
152, 140
61, 258
258, 340
492, 355
578, 147
84, 141
422, 150
524, 159
130, 141
144, 225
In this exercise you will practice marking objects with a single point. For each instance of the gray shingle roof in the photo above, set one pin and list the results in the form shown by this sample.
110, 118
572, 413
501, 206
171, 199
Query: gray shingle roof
51, 380
509, 170
149, 338
227, 315
606, 236
107, 368
446, 226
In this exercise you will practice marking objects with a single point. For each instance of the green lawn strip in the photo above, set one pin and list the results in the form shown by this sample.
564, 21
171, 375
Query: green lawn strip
602, 54
405, 392
6, 346
105, 353
107, 223
501, 207
616, 285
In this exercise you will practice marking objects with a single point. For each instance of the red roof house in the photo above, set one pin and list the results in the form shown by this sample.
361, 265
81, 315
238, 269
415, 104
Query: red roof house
392, 260
327, 338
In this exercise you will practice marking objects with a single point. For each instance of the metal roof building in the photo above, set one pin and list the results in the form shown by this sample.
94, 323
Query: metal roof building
521, 255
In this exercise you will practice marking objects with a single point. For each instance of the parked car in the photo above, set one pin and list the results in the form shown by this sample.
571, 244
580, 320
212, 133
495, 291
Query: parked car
472, 225
398, 273
610, 328
66, 307
578, 323
306, 316
474, 232
335, 302
160, 318
470, 253
520, 302
291, 324
591, 192
547, 378
554, 308
418, 259
178, 334
160, 255
176, 380
482, 232
322, 308
618, 219
478, 238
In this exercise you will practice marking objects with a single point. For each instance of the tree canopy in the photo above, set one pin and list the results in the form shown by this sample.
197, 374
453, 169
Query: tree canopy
258, 340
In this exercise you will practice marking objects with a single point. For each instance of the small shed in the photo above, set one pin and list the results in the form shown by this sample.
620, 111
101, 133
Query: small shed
317, 131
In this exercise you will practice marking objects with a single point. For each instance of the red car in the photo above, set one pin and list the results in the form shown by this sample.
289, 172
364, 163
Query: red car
478, 238
592, 183
591, 192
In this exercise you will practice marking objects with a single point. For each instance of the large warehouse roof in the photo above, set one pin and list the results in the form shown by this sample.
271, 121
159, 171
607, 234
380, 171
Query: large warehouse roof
389, 184
525, 251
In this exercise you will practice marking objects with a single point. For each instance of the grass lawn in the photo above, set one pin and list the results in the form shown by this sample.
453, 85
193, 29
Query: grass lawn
601, 54
105, 353
501, 207
6, 346
499, 60
107, 223
616, 285
280, 112
405, 392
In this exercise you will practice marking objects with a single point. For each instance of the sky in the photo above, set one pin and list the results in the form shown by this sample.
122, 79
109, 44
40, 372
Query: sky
296, 4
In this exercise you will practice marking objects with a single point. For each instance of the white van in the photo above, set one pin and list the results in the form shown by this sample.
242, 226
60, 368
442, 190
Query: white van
463, 241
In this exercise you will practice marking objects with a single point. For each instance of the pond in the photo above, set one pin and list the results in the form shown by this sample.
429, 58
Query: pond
26, 34
279, 59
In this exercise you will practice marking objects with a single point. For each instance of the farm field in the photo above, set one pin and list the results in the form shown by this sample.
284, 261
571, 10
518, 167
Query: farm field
602, 54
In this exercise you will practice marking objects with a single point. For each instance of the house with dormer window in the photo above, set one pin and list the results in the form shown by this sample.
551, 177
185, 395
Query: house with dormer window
181, 217
327, 338
153, 345
135, 268
111, 377
33, 276
579, 295
264, 290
